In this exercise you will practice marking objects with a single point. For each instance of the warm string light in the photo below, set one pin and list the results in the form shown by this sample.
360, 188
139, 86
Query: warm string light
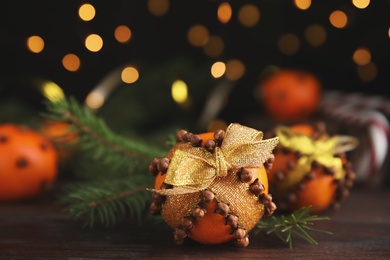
198, 35
87, 12
249, 15
214, 47
95, 100
288, 44
218, 69
179, 91
129, 75
362, 56
235, 69
315, 35
97, 97
71, 62
361, 4
93, 42
302, 4
35, 44
158, 7
367, 72
224, 12
338, 19
52, 91
122, 33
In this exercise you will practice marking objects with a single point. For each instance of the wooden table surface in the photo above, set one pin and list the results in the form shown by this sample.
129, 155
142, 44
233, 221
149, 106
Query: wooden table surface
41, 230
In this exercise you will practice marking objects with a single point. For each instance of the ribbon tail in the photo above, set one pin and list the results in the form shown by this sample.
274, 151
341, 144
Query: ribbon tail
241, 134
345, 144
252, 154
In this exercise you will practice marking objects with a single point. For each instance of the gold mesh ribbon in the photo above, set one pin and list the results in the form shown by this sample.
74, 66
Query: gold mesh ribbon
194, 168
321, 150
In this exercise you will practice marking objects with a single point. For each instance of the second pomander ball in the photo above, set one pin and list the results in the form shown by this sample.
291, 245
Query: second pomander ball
311, 167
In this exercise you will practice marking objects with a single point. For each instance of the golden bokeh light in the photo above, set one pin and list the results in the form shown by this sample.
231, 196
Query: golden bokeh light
122, 33
338, 19
95, 100
214, 47
71, 62
235, 69
368, 72
302, 4
94, 42
198, 35
35, 44
224, 12
52, 91
249, 15
158, 7
289, 44
179, 91
129, 75
87, 12
362, 56
218, 69
315, 35
361, 4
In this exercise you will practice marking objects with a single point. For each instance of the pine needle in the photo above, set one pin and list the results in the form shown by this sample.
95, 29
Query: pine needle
107, 202
297, 224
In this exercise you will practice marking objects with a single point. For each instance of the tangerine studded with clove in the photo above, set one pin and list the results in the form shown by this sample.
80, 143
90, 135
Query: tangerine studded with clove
225, 211
28, 163
299, 179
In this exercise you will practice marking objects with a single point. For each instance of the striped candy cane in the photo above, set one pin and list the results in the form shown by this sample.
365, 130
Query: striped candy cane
368, 116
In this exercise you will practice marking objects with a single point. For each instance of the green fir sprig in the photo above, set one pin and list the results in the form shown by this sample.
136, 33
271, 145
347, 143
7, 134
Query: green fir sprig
113, 177
107, 202
297, 224
103, 145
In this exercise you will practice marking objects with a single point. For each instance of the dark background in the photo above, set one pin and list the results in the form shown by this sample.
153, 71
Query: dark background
160, 45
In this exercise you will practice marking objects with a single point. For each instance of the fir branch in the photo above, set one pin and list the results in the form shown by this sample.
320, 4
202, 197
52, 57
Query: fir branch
297, 224
107, 202
99, 137
86, 168
95, 137
117, 169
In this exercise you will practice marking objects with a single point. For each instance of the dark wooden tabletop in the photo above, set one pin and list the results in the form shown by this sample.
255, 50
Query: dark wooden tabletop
41, 230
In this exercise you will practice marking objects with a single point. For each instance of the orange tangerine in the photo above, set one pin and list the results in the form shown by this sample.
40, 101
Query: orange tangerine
28, 163
290, 95
295, 186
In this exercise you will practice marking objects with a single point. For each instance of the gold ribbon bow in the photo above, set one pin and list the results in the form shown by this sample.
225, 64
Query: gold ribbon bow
194, 168
321, 150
